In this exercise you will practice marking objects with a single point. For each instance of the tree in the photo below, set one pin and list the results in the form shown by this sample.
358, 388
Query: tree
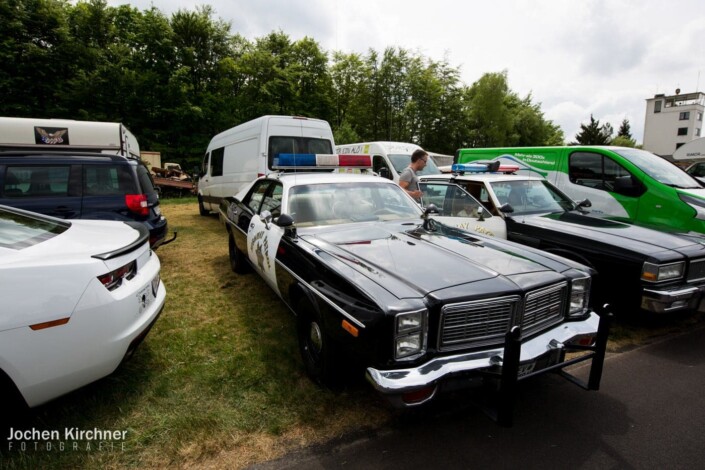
593, 133
345, 134
490, 118
530, 128
621, 141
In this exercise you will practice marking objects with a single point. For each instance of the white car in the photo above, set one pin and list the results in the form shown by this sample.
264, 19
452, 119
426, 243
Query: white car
77, 298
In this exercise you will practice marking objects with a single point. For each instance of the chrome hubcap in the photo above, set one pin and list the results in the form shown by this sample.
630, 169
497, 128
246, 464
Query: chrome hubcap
316, 338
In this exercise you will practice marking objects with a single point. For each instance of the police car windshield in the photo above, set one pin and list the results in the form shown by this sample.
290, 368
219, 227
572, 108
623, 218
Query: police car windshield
401, 161
531, 196
659, 169
348, 202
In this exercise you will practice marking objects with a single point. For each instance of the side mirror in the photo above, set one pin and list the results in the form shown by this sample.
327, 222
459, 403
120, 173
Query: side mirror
430, 209
506, 208
481, 214
286, 222
584, 203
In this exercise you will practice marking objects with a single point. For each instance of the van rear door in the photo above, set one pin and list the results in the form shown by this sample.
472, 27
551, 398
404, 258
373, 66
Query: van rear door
297, 135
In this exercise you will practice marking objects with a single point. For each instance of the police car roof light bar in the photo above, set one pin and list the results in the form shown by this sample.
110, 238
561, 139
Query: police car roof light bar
317, 161
485, 167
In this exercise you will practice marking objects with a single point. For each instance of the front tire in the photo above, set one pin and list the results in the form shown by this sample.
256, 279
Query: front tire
317, 349
238, 263
201, 208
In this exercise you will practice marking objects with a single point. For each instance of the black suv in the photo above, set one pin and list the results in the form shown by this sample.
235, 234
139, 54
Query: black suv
82, 186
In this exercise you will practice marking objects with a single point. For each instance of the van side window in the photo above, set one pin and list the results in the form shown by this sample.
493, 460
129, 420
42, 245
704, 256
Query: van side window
217, 161
378, 162
595, 171
35, 181
204, 165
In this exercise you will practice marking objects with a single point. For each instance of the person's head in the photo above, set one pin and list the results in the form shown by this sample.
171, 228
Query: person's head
419, 159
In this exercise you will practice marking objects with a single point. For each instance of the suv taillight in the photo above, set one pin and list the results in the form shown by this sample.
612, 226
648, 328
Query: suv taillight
113, 279
137, 203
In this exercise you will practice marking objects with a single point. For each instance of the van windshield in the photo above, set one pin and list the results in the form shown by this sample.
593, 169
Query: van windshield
401, 161
659, 169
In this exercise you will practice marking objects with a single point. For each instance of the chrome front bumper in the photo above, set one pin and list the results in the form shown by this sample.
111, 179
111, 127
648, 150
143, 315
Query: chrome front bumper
671, 300
550, 343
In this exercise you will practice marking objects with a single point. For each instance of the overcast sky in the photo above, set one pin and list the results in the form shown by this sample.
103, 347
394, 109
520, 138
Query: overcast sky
576, 58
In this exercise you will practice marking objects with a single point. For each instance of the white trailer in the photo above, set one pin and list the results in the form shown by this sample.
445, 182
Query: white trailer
66, 134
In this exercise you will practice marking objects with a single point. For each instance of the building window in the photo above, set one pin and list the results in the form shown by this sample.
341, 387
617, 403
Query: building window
657, 106
679, 145
700, 116
697, 132
682, 131
684, 116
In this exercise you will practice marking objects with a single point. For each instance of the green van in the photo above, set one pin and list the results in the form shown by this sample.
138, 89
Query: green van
627, 183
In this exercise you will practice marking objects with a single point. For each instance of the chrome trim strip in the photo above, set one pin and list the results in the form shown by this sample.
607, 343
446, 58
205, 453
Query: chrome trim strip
673, 295
320, 294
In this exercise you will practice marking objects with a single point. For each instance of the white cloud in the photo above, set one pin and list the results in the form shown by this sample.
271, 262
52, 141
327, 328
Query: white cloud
576, 58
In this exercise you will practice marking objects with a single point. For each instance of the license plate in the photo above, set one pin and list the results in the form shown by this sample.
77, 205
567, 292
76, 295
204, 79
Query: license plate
157, 210
547, 360
144, 298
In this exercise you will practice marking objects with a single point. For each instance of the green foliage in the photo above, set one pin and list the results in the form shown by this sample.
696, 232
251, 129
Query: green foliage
345, 134
625, 129
594, 134
177, 81
622, 141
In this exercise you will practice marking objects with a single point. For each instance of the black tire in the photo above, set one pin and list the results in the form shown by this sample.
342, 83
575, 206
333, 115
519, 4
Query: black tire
15, 408
238, 263
317, 350
202, 210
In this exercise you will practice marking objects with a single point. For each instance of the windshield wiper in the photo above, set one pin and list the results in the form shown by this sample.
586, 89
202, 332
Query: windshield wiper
682, 187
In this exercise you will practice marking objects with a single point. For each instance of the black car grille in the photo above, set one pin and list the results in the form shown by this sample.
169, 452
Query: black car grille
486, 321
696, 271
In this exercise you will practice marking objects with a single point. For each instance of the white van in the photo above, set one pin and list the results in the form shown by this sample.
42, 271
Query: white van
392, 156
67, 134
243, 153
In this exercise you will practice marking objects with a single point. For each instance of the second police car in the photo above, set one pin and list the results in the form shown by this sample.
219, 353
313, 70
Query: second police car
637, 267
422, 305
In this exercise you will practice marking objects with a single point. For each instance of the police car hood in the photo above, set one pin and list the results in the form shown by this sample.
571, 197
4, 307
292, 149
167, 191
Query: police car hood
403, 258
619, 234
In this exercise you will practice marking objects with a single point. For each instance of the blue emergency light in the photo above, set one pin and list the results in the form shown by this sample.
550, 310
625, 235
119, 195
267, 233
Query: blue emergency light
483, 167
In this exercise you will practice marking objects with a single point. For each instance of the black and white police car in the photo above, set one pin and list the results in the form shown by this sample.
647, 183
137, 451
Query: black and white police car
422, 305
637, 267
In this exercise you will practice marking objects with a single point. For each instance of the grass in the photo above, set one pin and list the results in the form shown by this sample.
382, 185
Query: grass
219, 380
